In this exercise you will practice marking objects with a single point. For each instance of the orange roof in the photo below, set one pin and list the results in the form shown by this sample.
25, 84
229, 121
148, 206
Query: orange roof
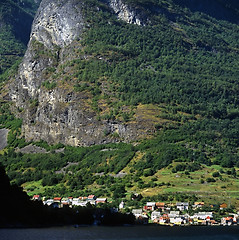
224, 205
160, 204
57, 198
199, 203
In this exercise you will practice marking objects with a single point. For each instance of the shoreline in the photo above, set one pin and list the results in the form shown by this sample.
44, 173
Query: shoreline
150, 225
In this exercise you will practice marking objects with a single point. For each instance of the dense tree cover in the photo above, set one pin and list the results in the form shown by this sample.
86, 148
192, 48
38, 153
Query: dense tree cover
73, 170
185, 61
192, 64
15, 19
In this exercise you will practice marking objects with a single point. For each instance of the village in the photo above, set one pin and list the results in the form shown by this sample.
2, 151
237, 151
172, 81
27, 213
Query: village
168, 214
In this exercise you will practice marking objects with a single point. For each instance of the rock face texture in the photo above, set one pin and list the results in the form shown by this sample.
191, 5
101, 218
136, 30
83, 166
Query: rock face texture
60, 114
58, 23
126, 13
3, 138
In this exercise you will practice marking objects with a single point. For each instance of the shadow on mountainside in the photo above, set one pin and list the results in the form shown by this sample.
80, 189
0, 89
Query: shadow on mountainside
17, 210
219, 9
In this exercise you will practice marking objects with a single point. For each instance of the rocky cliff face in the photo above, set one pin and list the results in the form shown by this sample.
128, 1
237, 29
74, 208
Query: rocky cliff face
127, 13
60, 114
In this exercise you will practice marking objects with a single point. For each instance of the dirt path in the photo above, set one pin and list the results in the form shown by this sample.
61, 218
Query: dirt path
3, 138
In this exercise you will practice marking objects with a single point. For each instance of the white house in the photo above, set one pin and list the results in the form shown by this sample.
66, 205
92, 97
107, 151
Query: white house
173, 214
101, 200
203, 215
75, 201
48, 202
182, 206
155, 215
150, 206
121, 205
137, 212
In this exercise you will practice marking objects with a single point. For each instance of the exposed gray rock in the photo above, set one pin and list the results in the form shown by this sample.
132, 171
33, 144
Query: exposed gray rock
3, 138
126, 12
58, 22
32, 149
61, 114
64, 169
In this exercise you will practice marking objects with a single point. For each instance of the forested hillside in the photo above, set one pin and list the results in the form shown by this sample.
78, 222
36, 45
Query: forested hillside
179, 70
15, 25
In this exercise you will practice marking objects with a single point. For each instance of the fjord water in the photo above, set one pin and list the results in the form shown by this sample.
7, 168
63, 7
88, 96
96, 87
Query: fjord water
123, 233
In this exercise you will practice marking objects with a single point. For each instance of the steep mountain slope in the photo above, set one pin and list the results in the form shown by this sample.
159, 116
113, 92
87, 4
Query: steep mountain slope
81, 61
99, 72
61, 113
15, 27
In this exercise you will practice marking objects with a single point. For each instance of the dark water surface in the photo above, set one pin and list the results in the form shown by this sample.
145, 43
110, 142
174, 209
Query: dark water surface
124, 233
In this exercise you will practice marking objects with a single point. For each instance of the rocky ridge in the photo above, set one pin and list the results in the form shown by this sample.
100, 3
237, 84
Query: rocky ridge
127, 13
60, 114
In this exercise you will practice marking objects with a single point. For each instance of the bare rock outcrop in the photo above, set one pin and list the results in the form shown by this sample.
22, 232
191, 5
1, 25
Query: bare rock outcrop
60, 114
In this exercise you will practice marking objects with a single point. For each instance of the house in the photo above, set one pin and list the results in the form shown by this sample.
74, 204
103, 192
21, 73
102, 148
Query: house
137, 212
82, 203
203, 215
173, 214
75, 201
164, 220
170, 206
91, 197
227, 221
182, 206
48, 202
155, 215
223, 206
180, 220
83, 198
197, 205
160, 205
140, 216
65, 202
201, 222
202, 218
36, 198
121, 205
57, 199
101, 200
150, 206
235, 218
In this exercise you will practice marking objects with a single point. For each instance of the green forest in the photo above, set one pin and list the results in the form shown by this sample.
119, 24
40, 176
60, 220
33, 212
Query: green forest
184, 62
15, 19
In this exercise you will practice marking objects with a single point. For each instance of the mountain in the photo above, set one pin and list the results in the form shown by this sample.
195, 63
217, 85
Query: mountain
152, 88
85, 73
15, 27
